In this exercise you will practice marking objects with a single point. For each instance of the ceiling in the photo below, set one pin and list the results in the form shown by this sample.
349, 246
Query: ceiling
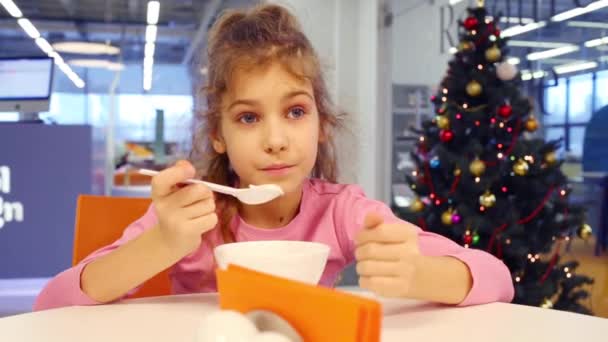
182, 25
574, 31
121, 23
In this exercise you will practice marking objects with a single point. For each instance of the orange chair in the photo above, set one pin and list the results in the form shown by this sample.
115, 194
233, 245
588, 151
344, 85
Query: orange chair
100, 221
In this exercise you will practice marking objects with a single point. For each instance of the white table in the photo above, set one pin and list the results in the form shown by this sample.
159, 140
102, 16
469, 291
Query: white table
176, 318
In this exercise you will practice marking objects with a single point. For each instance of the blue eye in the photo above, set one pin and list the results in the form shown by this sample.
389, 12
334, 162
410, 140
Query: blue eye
248, 118
296, 112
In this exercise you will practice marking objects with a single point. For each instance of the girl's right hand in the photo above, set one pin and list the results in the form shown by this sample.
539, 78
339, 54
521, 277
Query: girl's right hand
184, 212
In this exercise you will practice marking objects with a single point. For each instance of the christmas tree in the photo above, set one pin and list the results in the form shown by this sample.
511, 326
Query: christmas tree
484, 181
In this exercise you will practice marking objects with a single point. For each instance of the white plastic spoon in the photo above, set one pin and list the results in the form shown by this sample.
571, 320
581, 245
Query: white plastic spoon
255, 194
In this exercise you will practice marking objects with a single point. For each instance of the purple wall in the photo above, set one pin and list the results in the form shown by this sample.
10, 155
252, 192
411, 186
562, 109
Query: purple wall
43, 168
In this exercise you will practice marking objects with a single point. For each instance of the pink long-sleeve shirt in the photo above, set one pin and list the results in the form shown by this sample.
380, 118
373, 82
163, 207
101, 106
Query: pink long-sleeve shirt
329, 213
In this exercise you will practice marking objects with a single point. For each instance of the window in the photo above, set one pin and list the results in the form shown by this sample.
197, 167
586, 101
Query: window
573, 117
601, 92
580, 97
555, 103
577, 136
554, 134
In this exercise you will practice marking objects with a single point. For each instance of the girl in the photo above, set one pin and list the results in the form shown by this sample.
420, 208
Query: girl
269, 120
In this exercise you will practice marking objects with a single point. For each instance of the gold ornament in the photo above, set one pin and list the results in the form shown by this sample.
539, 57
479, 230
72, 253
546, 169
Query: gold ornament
446, 218
477, 167
465, 46
457, 172
487, 199
551, 158
546, 304
417, 206
443, 122
585, 231
493, 54
531, 124
521, 167
474, 88
480, 3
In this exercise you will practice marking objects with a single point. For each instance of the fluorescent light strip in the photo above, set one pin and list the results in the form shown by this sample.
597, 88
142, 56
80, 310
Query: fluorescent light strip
516, 20
527, 75
558, 61
519, 29
44, 45
604, 59
552, 53
454, 2
11, 8
153, 12
597, 42
580, 11
151, 33
588, 24
149, 50
29, 28
513, 60
573, 67
534, 44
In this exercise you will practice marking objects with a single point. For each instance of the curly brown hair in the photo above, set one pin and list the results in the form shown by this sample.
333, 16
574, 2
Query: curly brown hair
239, 41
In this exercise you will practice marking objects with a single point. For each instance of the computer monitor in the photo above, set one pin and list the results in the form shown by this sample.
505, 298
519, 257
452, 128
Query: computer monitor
25, 85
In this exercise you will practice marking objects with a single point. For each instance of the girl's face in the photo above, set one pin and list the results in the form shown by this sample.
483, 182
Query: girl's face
269, 127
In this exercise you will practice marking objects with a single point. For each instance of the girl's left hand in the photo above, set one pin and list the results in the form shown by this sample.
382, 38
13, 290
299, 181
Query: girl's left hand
388, 257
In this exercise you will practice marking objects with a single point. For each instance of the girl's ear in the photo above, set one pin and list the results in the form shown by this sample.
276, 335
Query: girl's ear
218, 143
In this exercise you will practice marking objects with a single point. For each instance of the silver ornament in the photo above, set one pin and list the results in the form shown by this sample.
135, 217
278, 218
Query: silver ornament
506, 71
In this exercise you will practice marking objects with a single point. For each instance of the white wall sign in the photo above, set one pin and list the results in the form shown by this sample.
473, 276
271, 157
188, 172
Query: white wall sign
9, 211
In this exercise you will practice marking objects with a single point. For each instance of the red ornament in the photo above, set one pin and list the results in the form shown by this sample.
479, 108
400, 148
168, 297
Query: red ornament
468, 239
497, 32
471, 23
446, 135
505, 111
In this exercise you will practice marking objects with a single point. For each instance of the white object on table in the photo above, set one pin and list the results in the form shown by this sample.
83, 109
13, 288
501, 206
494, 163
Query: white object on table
254, 194
176, 319
301, 260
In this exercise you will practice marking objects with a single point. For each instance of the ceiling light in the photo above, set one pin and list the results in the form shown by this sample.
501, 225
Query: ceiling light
97, 63
527, 75
573, 67
516, 20
151, 33
536, 44
513, 61
588, 24
29, 28
11, 8
552, 53
153, 12
519, 29
86, 48
149, 50
580, 10
597, 42
44, 45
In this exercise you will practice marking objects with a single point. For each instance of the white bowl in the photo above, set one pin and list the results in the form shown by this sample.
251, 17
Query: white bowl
296, 260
